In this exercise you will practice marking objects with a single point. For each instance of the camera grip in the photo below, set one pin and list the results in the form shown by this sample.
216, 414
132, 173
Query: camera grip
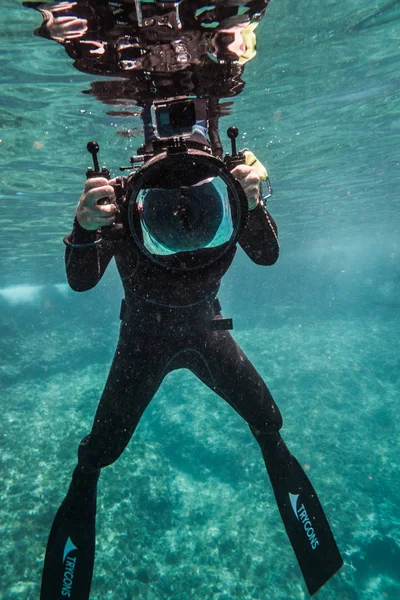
93, 148
235, 158
233, 161
119, 188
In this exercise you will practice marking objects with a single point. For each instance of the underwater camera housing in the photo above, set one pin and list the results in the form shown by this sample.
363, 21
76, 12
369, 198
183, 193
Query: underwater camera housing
180, 166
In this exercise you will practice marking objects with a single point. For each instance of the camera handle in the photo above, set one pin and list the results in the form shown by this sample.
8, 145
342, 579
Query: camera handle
94, 148
119, 187
235, 158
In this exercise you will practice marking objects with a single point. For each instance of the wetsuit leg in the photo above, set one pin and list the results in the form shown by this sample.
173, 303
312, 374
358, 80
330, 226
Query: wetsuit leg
136, 373
216, 359
219, 362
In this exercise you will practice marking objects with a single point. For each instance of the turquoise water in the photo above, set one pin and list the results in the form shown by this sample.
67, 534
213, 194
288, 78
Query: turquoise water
188, 511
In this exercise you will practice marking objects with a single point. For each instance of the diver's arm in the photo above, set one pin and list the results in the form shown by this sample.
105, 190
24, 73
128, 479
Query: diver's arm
86, 257
87, 254
259, 237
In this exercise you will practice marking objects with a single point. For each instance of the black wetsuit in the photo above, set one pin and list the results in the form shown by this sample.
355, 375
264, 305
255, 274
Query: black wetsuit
166, 325
170, 321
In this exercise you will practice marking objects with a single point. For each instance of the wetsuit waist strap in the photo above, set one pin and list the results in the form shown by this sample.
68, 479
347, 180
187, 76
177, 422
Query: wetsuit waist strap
215, 323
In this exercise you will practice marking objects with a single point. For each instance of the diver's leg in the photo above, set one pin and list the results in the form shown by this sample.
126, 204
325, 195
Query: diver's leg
225, 369
131, 384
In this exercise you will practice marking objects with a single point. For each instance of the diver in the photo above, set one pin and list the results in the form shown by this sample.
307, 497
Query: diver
171, 319
172, 227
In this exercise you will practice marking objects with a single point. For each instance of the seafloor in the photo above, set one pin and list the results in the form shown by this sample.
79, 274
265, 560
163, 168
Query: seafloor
188, 511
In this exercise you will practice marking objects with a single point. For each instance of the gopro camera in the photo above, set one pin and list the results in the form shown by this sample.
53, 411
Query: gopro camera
173, 119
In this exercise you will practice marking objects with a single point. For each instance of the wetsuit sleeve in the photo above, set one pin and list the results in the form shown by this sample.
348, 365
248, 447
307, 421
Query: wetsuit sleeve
85, 259
259, 237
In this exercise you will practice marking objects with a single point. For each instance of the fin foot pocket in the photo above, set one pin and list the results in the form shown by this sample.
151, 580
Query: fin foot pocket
69, 559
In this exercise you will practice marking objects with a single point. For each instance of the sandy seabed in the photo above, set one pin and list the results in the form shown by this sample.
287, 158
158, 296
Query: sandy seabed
188, 511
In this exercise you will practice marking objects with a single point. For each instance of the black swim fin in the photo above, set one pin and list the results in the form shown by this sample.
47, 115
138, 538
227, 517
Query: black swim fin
302, 515
69, 560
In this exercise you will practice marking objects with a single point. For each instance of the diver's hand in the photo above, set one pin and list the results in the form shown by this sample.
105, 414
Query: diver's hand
97, 205
61, 23
66, 28
250, 182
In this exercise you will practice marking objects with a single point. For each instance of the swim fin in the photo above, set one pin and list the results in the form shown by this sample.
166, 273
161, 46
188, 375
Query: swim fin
69, 560
303, 517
